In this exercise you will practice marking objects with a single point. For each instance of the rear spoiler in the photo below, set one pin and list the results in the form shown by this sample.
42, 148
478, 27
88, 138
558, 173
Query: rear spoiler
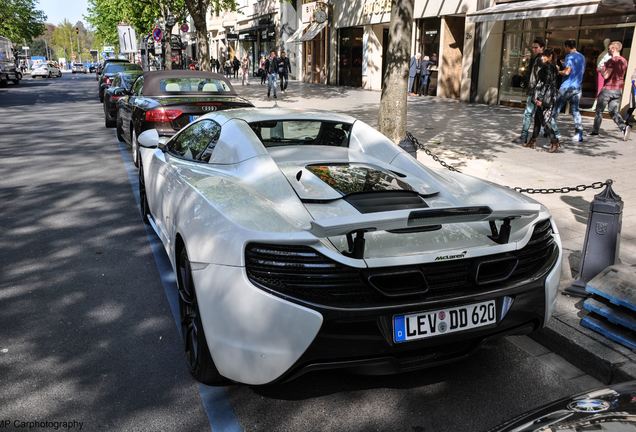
409, 219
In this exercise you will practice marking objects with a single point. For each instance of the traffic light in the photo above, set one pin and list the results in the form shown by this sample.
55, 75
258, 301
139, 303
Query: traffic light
77, 30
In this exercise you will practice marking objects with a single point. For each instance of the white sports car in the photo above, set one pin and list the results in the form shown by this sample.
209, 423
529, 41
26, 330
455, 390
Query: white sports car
308, 240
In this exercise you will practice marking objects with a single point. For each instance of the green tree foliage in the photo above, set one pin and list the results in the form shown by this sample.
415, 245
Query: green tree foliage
21, 20
105, 15
63, 40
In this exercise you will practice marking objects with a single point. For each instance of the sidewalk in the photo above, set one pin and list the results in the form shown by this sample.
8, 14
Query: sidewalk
476, 139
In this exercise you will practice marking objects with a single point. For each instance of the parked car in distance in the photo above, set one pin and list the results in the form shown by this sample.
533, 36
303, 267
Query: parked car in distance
100, 66
78, 68
47, 69
607, 409
108, 73
309, 241
92, 68
8, 68
169, 100
121, 85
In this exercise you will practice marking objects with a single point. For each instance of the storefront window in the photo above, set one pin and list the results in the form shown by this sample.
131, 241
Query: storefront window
555, 31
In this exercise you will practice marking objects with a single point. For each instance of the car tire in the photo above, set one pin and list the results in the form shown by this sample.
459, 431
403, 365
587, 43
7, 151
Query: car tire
49, 75
101, 98
135, 146
198, 356
120, 132
143, 199
109, 123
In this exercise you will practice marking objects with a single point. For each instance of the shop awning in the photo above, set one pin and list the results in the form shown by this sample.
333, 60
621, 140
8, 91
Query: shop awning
533, 9
313, 31
295, 38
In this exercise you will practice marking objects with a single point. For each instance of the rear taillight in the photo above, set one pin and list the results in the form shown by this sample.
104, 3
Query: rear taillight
114, 98
107, 81
162, 115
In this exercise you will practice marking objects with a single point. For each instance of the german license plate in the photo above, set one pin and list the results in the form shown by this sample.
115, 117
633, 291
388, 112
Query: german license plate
439, 322
193, 118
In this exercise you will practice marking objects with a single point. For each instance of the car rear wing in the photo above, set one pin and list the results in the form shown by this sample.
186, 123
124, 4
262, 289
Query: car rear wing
422, 218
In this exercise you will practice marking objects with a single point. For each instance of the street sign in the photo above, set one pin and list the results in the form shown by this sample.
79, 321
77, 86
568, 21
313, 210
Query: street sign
127, 39
185, 27
157, 34
25, 48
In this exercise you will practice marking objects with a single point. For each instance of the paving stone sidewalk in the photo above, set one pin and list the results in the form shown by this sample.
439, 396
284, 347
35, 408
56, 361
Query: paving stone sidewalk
477, 139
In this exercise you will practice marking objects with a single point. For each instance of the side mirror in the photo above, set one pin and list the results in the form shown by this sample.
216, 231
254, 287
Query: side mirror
149, 139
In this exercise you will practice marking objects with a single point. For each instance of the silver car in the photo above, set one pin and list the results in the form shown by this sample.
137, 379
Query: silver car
79, 68
46, 70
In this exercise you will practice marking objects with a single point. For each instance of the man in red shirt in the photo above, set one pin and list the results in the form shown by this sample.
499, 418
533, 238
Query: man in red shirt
613, 70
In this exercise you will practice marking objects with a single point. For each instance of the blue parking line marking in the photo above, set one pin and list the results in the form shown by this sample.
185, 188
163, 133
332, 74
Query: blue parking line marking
214, 399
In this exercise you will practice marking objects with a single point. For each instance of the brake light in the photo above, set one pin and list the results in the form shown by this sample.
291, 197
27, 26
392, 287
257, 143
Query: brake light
162, 115
114, 98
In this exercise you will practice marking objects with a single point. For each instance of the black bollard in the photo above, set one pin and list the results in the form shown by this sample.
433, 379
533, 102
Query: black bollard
408, 145
602, 238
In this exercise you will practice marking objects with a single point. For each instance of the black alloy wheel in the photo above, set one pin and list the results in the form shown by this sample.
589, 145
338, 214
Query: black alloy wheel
143, 199
197, 352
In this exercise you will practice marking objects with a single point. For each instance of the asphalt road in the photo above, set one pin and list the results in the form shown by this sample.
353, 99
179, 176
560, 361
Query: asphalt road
87, 333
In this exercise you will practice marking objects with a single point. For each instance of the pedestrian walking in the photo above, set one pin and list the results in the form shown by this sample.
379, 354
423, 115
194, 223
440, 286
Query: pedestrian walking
414, 70
425, 75
530, 81
600, 61
544, 97
245, 70
613, 71
228, 68
284, 68
570, 89
271, 68
261, 70
236, 65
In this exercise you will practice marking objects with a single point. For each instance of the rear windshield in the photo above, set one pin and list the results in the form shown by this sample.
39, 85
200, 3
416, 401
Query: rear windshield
302, 132
120, 67
352, 178
194, 85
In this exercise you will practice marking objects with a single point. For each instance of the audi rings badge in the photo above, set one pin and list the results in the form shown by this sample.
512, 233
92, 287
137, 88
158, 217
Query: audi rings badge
208, 108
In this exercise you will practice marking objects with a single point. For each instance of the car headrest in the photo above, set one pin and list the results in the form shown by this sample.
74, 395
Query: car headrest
173, 87
209, 87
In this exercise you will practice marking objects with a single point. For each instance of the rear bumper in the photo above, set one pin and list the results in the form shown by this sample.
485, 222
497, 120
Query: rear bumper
256, 337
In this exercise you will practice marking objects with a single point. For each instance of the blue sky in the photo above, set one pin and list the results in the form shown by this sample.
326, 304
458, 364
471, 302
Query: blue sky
57, 10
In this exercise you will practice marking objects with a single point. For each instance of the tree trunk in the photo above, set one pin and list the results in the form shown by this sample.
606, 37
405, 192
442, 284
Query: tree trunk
198, 10
167, 47
392, 115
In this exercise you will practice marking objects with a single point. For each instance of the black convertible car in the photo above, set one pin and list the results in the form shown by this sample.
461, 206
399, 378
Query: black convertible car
169, 100
120, 87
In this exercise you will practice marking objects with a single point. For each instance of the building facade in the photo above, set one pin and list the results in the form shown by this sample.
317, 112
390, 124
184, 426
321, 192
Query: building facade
482, 46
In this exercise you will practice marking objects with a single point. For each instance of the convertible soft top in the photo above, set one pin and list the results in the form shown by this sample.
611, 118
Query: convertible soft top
152, 80
252, 115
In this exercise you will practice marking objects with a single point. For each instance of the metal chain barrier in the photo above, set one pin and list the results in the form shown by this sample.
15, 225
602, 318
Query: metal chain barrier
566, 189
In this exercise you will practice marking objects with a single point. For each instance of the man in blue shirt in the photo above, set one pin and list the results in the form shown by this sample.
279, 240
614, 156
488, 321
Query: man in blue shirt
570, 90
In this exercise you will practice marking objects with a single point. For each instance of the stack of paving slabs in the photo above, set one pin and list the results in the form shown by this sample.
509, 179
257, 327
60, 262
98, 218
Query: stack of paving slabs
612, 305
